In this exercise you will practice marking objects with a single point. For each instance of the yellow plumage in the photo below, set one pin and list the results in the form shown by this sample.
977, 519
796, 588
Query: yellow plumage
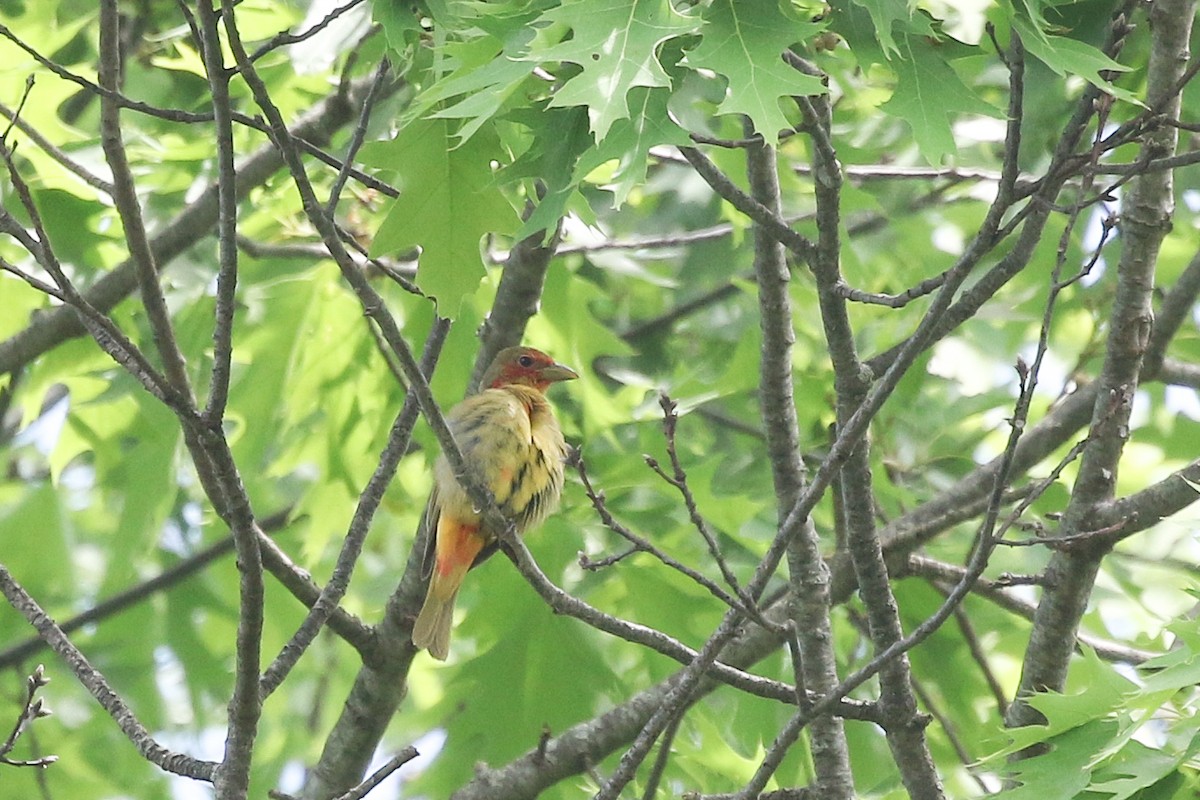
510, 439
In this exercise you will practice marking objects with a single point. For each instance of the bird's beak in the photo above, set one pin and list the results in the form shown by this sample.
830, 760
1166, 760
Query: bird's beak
557, 372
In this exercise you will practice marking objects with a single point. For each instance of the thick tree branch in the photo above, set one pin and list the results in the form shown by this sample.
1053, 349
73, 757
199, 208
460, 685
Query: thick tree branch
1178, 373
517, 299
808, 575
1145, 220
904, 726
1126, 516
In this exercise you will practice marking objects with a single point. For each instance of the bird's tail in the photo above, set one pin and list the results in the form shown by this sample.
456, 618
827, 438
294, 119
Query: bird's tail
432, 628
457, 546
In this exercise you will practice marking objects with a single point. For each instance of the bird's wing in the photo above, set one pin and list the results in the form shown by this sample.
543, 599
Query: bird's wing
429, 525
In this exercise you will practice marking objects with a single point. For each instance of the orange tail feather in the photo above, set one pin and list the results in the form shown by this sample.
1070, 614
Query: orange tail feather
457, 545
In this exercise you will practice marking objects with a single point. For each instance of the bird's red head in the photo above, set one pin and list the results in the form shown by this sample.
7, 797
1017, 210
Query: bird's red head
525, 366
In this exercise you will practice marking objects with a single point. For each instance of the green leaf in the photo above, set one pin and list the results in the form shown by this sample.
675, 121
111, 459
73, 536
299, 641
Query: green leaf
1064, 771
34, 537
630, 140
399, 23
884, 14
560, 136
573, 333
1135, 768
928, 95
871, 29
20, 301
448, 201
744, 41
615, 42
1072, 57
487, 72
146, 477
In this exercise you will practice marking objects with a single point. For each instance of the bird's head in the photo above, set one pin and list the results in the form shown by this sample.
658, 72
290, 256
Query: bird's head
525, 366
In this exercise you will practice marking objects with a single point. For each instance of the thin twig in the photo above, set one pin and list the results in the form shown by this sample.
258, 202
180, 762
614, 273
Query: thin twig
662, 759
947, 575
56, 153
308, 251
41, 286
679, 480
966, 629
227, 253
643, 545
103, 330
380, 775
210, 450
129, 207
284, 38
360, 130
98, 687
950, 732
922, 289
33, 708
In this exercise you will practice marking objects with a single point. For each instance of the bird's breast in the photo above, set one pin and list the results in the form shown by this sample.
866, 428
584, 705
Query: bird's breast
511, 438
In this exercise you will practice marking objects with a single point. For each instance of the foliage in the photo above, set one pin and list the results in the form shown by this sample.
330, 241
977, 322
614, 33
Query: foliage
502, 133
1118, 737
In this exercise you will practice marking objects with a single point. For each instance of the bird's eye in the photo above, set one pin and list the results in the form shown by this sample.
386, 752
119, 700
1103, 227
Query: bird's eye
525, 361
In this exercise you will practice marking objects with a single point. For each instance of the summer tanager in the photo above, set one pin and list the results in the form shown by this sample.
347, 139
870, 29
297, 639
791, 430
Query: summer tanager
508, 435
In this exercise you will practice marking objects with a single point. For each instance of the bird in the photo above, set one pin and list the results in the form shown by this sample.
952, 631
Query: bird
508, 435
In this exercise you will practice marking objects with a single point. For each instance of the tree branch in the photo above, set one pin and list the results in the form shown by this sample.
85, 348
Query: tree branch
33, 708
129, 209
808, 575
517, 298
186, 229
368, 502
751, 207
1146, 218
227, 253
98, 687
